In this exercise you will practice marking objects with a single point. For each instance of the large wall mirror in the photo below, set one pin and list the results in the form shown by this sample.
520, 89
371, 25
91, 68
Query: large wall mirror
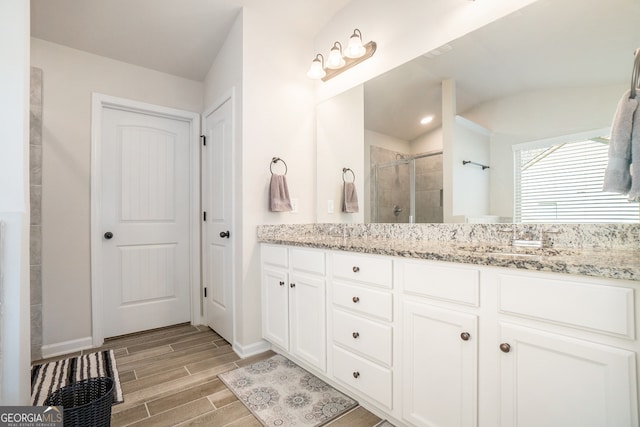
531, 96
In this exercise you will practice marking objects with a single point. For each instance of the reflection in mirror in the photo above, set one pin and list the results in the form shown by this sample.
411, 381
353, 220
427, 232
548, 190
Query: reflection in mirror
550, 74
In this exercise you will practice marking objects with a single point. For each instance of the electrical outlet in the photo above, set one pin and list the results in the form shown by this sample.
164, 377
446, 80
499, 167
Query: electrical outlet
330, 206
294, 206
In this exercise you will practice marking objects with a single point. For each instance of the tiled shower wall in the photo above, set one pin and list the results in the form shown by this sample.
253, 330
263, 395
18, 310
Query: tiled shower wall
35, 167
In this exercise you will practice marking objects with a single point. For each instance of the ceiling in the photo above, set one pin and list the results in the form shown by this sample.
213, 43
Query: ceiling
549, 44
179, 37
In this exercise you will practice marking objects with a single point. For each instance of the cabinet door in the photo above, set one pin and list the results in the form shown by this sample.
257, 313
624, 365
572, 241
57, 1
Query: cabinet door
440, 353
308, 324
553, 380
275, 307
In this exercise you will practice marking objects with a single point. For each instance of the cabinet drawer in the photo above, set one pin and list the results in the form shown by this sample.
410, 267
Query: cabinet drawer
362, 335
458, 284
372, 302
308, 260
605, 309
369, 378
275, 255
369, 269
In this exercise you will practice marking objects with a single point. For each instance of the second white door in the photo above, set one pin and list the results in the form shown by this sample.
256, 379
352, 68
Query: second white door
218, 233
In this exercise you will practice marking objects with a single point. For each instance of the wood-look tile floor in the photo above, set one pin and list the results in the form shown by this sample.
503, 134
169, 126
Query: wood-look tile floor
169, 378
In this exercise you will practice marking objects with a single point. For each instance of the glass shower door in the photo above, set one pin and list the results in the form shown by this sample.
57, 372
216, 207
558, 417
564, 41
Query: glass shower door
391, 192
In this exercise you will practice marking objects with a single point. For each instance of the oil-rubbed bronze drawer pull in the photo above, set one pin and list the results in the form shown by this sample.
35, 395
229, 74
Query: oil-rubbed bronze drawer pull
356, 374
292, 285
505, 348
281, 283
355, 300
356, 268
356, 335
465, 336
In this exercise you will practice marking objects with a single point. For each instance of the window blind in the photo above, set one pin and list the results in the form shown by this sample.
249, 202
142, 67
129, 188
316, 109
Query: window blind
562, 183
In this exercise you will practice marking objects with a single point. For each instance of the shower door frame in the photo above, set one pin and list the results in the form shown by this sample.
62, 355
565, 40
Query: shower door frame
411, 161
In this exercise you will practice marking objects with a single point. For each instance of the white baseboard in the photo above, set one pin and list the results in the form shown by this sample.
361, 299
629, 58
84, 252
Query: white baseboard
252, 349
57, 349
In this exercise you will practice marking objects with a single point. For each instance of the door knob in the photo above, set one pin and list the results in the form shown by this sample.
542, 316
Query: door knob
224, 234
505, 348
108, 235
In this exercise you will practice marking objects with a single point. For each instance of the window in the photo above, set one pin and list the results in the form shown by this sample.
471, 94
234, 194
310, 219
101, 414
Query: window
562, 183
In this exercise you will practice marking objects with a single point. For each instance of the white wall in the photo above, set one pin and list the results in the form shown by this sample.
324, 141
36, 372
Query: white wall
470, 186
14, 204
278, 120
430, 141
341, 144
69, 78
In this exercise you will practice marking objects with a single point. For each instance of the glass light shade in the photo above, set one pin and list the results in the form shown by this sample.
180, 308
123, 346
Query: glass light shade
335, 59
316, 71
355, 49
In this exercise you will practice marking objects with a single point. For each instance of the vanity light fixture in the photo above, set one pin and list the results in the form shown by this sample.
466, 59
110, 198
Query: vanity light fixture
337, 61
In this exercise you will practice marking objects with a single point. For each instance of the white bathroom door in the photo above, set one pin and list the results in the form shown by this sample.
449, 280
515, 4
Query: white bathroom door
218, 232
145, 205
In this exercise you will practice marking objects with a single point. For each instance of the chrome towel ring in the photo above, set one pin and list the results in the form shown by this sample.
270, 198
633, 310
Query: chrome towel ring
276, 160
344, 173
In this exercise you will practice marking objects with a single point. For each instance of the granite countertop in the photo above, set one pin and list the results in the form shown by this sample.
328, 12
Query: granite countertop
595, 262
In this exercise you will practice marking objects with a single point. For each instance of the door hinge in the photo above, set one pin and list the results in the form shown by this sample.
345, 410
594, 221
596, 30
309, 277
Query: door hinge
205, 292
204, 215
204, 140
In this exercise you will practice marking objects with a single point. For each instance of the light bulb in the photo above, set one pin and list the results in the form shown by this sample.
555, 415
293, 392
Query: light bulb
335, 59
355, 49
426, 120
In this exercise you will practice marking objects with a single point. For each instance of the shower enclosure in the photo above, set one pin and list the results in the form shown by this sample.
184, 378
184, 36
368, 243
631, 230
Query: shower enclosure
407, 189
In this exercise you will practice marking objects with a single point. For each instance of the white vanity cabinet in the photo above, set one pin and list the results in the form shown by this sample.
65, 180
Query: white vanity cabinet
294, 301
567, 351
432, 343
361, 319
439, 344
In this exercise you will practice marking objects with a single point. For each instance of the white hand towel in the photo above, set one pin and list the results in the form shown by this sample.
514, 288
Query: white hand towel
616, 177
279, 194
634, 192
350, 198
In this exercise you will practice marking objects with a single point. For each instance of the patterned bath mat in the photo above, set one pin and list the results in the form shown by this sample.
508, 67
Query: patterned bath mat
48, 377
280, 393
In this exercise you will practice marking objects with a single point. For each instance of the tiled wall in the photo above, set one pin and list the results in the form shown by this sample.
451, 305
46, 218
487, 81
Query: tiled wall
35, 167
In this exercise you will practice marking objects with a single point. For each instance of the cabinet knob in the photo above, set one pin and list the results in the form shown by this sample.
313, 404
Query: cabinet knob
505, 348
355, 300
281, 283
292, 285
356, 335
108, 235
356, 268
465, 336
356, 374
